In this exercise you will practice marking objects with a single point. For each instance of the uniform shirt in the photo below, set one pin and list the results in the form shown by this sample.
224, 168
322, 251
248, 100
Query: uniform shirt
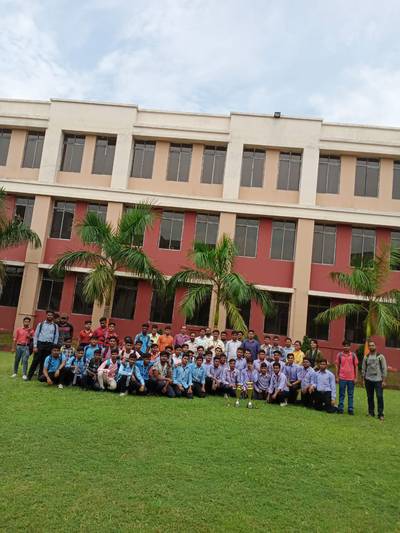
271, 368
278, 382
216, 373
94, 365
85, 336
68, 353
231, 377
207, 367
253, 346
248, 375
126, 370
286, 351
52, 364
163, 370
306, 376
277, 349
262, 383
124, 355
45, 332
267, 349
79, 364
181, 338
145, 339
154, 338
89, 351
347, 365
324, 381
182, 375
231, 349
144, 369
110, 367
241, 364
23, 336
292, 372
217, 344
198, 374
257, 364
176, 360
203, 341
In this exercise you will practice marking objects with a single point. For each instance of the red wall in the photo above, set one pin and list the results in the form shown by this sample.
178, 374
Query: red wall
16, 253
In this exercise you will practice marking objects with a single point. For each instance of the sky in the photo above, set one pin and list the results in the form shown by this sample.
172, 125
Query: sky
336, 60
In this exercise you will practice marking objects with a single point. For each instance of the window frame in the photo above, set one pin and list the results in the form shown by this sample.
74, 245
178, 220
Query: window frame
76, 137
310, 320
93, 208
108, 152
29, 206
285, 232
291, 162
62, 220
359, 165
137, 144
332, 162
216, 149
47, 278
180, 218
127, 288
394, 239
253, 152
38, 141
286, 301
14, 272
237, 223
396, 180
182, 147
166, 306
207, 224
5, 133
324, 233
79, 279
353, 230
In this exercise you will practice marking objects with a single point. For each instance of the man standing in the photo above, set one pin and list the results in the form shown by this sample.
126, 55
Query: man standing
288, 348
45, 337
232, 346
346, 376
251, 344
21, 341
374, 372
65, 329
216, 341
144, 337
182, 337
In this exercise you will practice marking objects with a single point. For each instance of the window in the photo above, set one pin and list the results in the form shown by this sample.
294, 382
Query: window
283, 239
328, 174
143, 159
24, 210
161, 310
33, 149
50, 292
316, 306
246, 236
362, 246
289, 171
125, 298
354, 329
245, 312
202, 314
72, 153
63, 216
180, 156
396, 181
99, 209
207, 229
393, 341
367, 177
277, 324
324, 244
12, 286
80, 305
395, 242
171, 230
5, 136
104, 155
213, 164
252, 167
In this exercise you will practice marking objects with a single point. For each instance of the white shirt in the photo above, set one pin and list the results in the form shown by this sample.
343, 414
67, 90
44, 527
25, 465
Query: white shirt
204, 341
231, 349
217, 344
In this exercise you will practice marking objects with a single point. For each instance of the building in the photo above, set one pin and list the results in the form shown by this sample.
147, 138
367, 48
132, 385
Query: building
302, 197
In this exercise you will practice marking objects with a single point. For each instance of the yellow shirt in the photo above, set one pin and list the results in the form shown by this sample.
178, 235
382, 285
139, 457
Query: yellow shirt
298, 357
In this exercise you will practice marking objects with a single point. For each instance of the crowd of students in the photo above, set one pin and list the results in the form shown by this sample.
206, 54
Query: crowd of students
186, 364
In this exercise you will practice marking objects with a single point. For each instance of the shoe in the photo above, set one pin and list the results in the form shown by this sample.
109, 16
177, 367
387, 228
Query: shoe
381, 418
60, 386
226, 397
371, 415
283, 404
339, 412
123, 394
351, 413
14, 375
25, 378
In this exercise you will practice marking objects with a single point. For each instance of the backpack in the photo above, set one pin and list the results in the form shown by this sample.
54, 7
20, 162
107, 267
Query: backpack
54, 333
354, 361
379, 359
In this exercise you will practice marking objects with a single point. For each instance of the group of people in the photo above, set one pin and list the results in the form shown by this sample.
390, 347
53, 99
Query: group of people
185, 364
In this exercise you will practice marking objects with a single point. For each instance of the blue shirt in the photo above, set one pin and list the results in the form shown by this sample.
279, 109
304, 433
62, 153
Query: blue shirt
182, 376
52, 364
286, 351
46, 332
79, 364
324, 381
278, 382
145, 340
306, 375
144, 369
253, 346
89, 351
198, 374
125, 370
262, 383
292, 372
241, 364
248, 375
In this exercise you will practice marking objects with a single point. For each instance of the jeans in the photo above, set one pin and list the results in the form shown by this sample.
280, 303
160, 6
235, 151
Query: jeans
21, 354
374, 387
343, 384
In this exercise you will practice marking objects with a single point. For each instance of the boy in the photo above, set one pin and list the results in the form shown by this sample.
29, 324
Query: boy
182, 379
177, 357
267, 347
306, 375
241, 363
278, 390
91, 348
166, 339
154, 352
144, 337
222, 361
199, 378
232, 346
67, 350
108, 371
65, 329
216, 342
192, 343
275, 346
101, 332
203, 340
287, 348
208, 362
129, 378
154, 335
261, 359
251, 344
44, 338
53, 368
293, 380
75, 369
374, 372
86, 333
248, 376
92, 381
230, 379
262, 383
182, 337
127, 350
324, 388
161, 376
111, 332
214, 378
112, 344
276, 358
21, 342
346, 376
144, 365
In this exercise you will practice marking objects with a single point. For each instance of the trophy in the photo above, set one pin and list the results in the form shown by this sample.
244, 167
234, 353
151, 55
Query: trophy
250, 390
238, 394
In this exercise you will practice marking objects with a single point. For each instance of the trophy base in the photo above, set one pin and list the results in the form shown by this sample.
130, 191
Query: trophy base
237, 403
250, 405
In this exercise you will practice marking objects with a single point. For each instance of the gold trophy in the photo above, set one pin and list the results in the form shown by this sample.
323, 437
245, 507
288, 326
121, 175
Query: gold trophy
238, 394
250, 391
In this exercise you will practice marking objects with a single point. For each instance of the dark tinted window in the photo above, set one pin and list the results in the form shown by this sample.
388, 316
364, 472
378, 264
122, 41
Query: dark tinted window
202, 314
354, 330
180, 156
316, 306
99, 209
24, 210
80, 305
245, 312
396, 181
143, 159
161, 310
277, 323
72, 153
213, 164
50, 292
124, 298
393, 341
33, 149
246, 235
5, 136
171, 230
63, 217
324, 244
289, 171
104, 155
207, 229
12, 287
328, 174
283, 240
362, 246
395, 242
367, 177
252, 167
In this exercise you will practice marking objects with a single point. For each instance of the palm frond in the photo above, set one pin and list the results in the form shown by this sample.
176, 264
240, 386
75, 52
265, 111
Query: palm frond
137, 262
386, 319
79, 258
133, 223
234, 316
194, 297
203, 256
339, 311
360, 280
97, 284
390, 296
15, 232
187, 276
93, 230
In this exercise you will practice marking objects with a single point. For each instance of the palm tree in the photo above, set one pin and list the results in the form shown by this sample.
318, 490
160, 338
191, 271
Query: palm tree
13, 233
380, 306
213, 274
109, 250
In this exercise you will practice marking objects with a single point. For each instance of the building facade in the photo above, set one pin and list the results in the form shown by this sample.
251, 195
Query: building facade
301, 197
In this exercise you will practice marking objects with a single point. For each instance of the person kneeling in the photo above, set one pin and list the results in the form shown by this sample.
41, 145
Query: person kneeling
182, 379
129, 378
261, 386
108, 371
278, 391
161, 376
53, 370
75, 369
92, 378
199, 378
324, 389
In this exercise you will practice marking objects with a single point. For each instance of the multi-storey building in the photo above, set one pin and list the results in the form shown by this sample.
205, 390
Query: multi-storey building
301, 197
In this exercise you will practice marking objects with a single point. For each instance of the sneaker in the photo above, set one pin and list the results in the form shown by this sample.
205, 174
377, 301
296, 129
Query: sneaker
283, 404
14, 375
351, 413
226, 397
381, 418
25, 378
60, 386
123, 394
339, 412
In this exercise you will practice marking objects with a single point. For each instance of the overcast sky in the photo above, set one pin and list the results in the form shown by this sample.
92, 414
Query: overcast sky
339, 60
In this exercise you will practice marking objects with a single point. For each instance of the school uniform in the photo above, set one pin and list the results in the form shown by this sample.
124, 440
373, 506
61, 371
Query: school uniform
107, 374
217, 344
214, 379
198, 380
241, 364
165, 375
89, 351
230, 380
182, 375
144, 372
52, 365
257, 364
306, 376
248, 376
253, 345
271, 368
292, 374
145, 339
231, 349
278, 384
325, 391
75, 371
207, 367
286, 351
91, 379
129, 378
261, 386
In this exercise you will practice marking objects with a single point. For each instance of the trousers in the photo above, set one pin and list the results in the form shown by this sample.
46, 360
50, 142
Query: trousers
372, 388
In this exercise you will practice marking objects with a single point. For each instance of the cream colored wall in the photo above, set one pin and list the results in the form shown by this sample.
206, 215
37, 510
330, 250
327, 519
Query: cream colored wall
13, 168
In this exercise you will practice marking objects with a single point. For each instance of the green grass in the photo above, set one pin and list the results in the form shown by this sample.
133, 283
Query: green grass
80, 461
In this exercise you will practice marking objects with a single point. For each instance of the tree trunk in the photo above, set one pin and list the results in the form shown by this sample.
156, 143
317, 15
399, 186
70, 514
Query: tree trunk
109, 301
216, 314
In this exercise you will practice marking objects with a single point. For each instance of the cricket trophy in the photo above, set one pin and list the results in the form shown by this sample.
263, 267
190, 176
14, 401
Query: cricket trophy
238, 394
250, 390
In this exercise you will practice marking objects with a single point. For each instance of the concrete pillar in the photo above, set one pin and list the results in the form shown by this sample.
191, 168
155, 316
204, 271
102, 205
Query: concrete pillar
309, 175
122, 161
301, 278
233, 167
51, 155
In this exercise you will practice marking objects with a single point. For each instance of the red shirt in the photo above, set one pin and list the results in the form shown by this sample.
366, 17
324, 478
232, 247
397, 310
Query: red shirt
101, 334
347, 364
85, 336
23, 335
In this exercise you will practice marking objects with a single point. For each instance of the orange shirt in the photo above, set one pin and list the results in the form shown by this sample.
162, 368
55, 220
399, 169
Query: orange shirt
85, 336
164, 341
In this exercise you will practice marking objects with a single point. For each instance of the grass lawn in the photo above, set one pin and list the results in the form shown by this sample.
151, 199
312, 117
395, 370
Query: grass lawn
81, 461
